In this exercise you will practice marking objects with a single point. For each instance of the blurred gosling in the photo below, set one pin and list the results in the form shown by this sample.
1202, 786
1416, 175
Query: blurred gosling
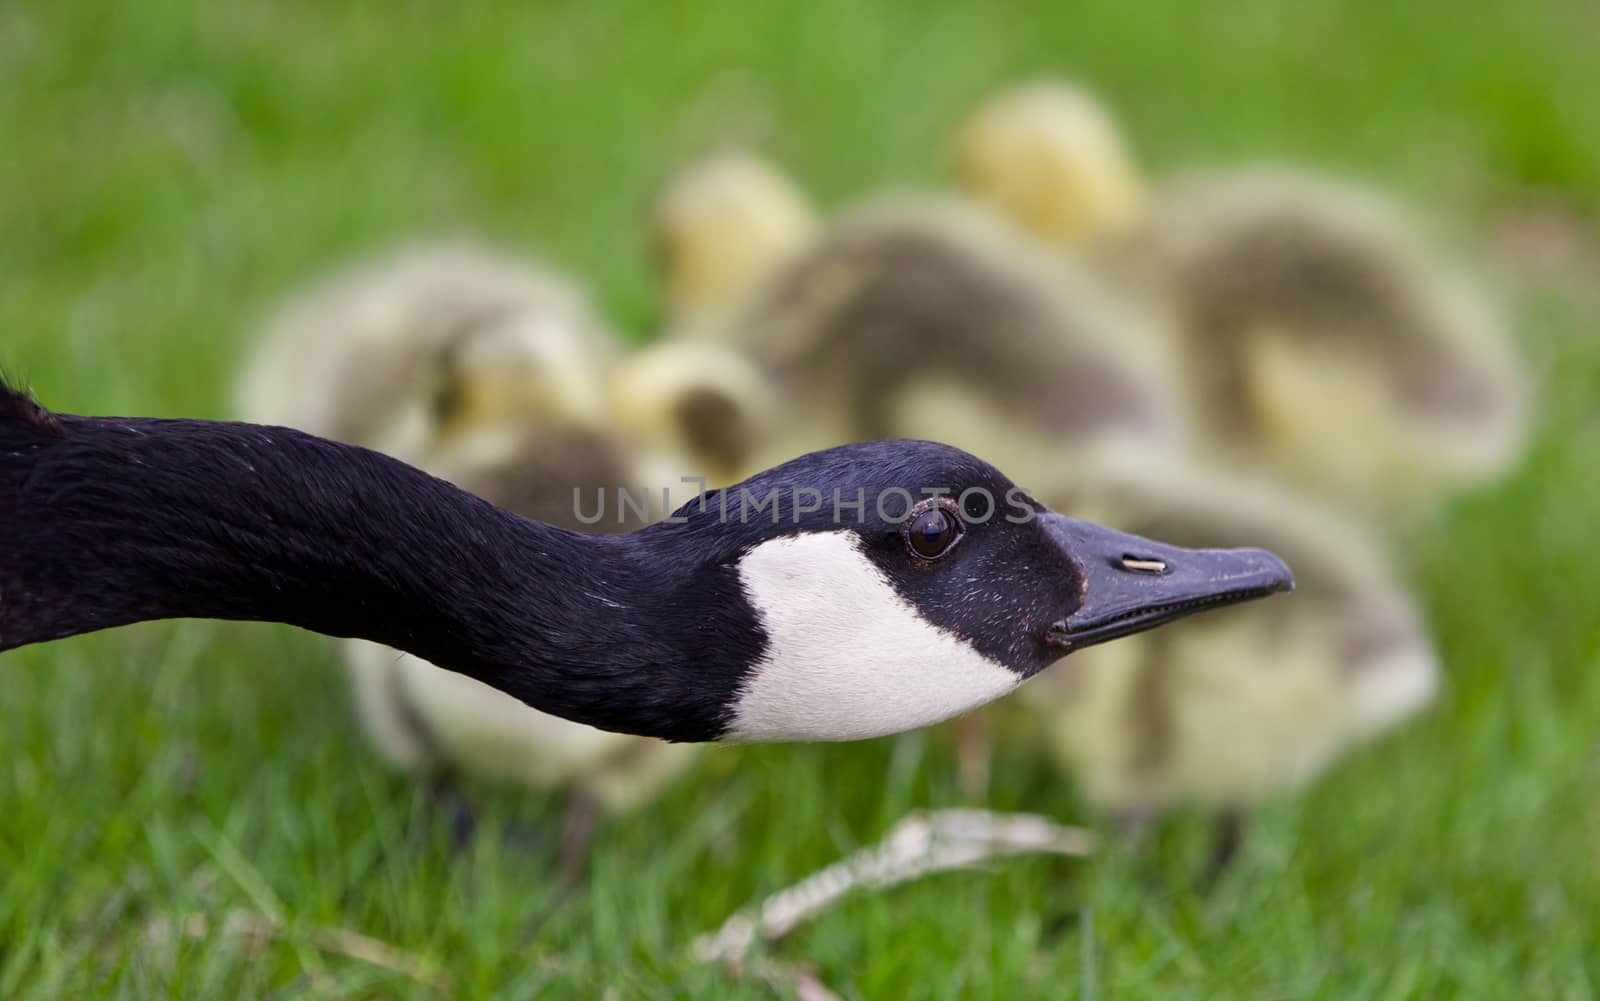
408, 350
1318, 335
922, 317
720, 227
1221, 712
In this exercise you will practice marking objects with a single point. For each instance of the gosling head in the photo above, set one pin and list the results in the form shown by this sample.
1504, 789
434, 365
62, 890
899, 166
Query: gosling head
691, 405
896, 584
720, 228
1050, 157
521, 365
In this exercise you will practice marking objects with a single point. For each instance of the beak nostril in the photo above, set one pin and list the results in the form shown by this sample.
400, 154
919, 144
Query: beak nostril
1143, 564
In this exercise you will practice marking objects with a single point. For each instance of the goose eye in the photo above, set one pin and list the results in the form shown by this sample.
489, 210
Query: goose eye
931, 533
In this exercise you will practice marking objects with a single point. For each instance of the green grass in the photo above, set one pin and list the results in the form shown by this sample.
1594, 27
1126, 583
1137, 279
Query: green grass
168, 173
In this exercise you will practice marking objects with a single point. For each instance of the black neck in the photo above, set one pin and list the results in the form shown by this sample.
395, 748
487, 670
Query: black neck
108, 521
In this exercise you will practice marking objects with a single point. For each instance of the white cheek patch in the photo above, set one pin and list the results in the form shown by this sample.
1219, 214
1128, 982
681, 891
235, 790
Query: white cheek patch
847, 656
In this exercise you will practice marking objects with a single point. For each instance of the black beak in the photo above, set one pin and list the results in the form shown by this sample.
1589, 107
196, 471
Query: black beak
1132, 584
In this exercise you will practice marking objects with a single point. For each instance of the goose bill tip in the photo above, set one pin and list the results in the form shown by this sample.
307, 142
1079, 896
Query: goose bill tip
1131, 584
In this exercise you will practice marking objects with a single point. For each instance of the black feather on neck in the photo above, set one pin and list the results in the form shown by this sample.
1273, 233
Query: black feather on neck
109, 521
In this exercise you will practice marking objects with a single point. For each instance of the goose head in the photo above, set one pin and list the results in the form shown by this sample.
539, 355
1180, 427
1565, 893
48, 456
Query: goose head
896, 584
1048, 156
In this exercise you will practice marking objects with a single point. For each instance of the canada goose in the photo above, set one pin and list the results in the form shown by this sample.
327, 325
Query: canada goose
1317, 334
1222, 711
830, 621
914, 315
720, 227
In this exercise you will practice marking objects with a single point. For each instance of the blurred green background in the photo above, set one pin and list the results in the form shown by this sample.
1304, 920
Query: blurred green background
168, 173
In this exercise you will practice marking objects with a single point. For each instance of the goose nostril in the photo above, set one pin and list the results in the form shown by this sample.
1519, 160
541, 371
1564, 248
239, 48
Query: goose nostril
1143, 564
